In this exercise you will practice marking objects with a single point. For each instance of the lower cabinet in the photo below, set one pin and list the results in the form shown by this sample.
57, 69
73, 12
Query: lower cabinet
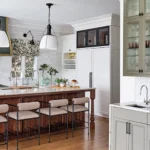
148, 138
127, 135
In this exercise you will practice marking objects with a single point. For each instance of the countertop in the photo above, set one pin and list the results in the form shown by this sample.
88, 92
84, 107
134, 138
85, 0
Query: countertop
126, 106
39, 90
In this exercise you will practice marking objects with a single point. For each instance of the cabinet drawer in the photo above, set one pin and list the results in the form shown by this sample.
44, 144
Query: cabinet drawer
130, 115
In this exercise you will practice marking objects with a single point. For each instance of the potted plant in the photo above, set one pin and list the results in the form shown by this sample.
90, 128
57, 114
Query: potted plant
58, 81
65, 81
43, 68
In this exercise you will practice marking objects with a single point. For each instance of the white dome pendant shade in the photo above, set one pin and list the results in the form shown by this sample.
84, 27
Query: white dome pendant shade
4, 41
48, 41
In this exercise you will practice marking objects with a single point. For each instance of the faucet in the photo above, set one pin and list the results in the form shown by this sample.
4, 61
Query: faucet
146, 101
10, 78
38, 76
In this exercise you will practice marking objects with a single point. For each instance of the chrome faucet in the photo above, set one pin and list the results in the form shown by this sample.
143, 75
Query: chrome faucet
146, 101
10, 78
38, 77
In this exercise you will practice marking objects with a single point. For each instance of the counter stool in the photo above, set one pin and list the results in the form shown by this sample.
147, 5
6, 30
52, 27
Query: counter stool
25, 111
54, 110
4, 110
77, 106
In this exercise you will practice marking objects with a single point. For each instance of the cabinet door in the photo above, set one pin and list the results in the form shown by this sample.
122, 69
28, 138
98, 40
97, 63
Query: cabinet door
119, 135
101, 79
147, 7
81, 39
146, 46
92, 37
69, 43
148, 138
133, 8
84, 66
132, 47
138, 136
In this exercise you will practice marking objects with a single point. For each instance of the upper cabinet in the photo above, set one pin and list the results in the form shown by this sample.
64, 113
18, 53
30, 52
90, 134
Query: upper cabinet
135, 8
93, 37
137, 38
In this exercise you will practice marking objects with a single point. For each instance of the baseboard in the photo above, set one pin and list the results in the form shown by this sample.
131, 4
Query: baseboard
102, 115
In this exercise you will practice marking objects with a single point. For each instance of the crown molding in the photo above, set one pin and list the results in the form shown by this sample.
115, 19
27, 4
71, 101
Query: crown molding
104, 20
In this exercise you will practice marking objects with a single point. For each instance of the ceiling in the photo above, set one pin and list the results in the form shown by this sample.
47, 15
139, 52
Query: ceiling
65, 11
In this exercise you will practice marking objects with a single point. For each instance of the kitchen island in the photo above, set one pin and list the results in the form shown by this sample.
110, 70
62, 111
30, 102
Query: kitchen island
15, 96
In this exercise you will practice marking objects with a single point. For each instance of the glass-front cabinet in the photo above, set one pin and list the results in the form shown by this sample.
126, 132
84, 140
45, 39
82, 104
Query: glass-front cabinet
137, 38
133, 8
132, 46
93, 37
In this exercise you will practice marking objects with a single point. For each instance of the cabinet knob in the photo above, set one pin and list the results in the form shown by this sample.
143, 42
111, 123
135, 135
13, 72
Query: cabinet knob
141, 71
69, 49
139, 14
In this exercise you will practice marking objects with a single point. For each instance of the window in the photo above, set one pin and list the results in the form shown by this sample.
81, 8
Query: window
29, 66
22, 66
23, 59
16, 66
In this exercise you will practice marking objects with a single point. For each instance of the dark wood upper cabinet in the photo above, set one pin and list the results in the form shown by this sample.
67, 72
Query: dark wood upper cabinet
93, 37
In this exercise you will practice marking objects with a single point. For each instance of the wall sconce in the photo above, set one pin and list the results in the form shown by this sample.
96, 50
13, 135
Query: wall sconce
26, 34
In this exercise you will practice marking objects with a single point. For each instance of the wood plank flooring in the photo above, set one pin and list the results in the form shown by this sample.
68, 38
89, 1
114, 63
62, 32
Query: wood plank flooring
98, 140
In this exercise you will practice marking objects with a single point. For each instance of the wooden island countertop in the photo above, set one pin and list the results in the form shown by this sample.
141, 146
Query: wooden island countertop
15, 96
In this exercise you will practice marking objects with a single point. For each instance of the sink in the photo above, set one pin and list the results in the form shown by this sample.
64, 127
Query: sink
137, 106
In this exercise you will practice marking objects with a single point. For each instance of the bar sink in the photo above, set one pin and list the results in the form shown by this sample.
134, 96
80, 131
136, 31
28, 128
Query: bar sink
137, 106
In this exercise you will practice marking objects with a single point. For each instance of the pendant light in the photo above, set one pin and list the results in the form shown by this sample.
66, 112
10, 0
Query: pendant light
48, 41
4, 42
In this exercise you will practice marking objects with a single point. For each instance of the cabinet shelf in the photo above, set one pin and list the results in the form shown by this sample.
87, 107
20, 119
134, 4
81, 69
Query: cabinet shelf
132, 55
133, 37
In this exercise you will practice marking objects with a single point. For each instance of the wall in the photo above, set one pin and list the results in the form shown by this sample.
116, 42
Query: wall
127, 84
5, 67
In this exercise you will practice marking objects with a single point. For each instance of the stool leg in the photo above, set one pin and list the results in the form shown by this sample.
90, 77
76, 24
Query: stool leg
39, 126
6, 135
73, 120
17, 132
49, 125
88, 118
67, 125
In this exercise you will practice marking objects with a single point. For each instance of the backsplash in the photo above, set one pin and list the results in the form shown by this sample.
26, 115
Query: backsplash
52, 58
139, 81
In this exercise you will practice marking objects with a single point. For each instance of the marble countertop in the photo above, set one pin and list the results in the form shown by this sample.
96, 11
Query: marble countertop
38, 90
128, 105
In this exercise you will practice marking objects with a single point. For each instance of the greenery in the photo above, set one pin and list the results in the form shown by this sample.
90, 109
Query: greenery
65, 81
44, 67
52, 71
58, 80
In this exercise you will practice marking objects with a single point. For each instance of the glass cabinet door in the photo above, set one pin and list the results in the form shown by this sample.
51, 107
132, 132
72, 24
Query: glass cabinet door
81, 39
92, 37
133, 8
132, 46
147, 46
147, 6
103, 36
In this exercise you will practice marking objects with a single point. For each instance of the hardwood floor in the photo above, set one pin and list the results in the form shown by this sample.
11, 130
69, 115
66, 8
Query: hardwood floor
98, 140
